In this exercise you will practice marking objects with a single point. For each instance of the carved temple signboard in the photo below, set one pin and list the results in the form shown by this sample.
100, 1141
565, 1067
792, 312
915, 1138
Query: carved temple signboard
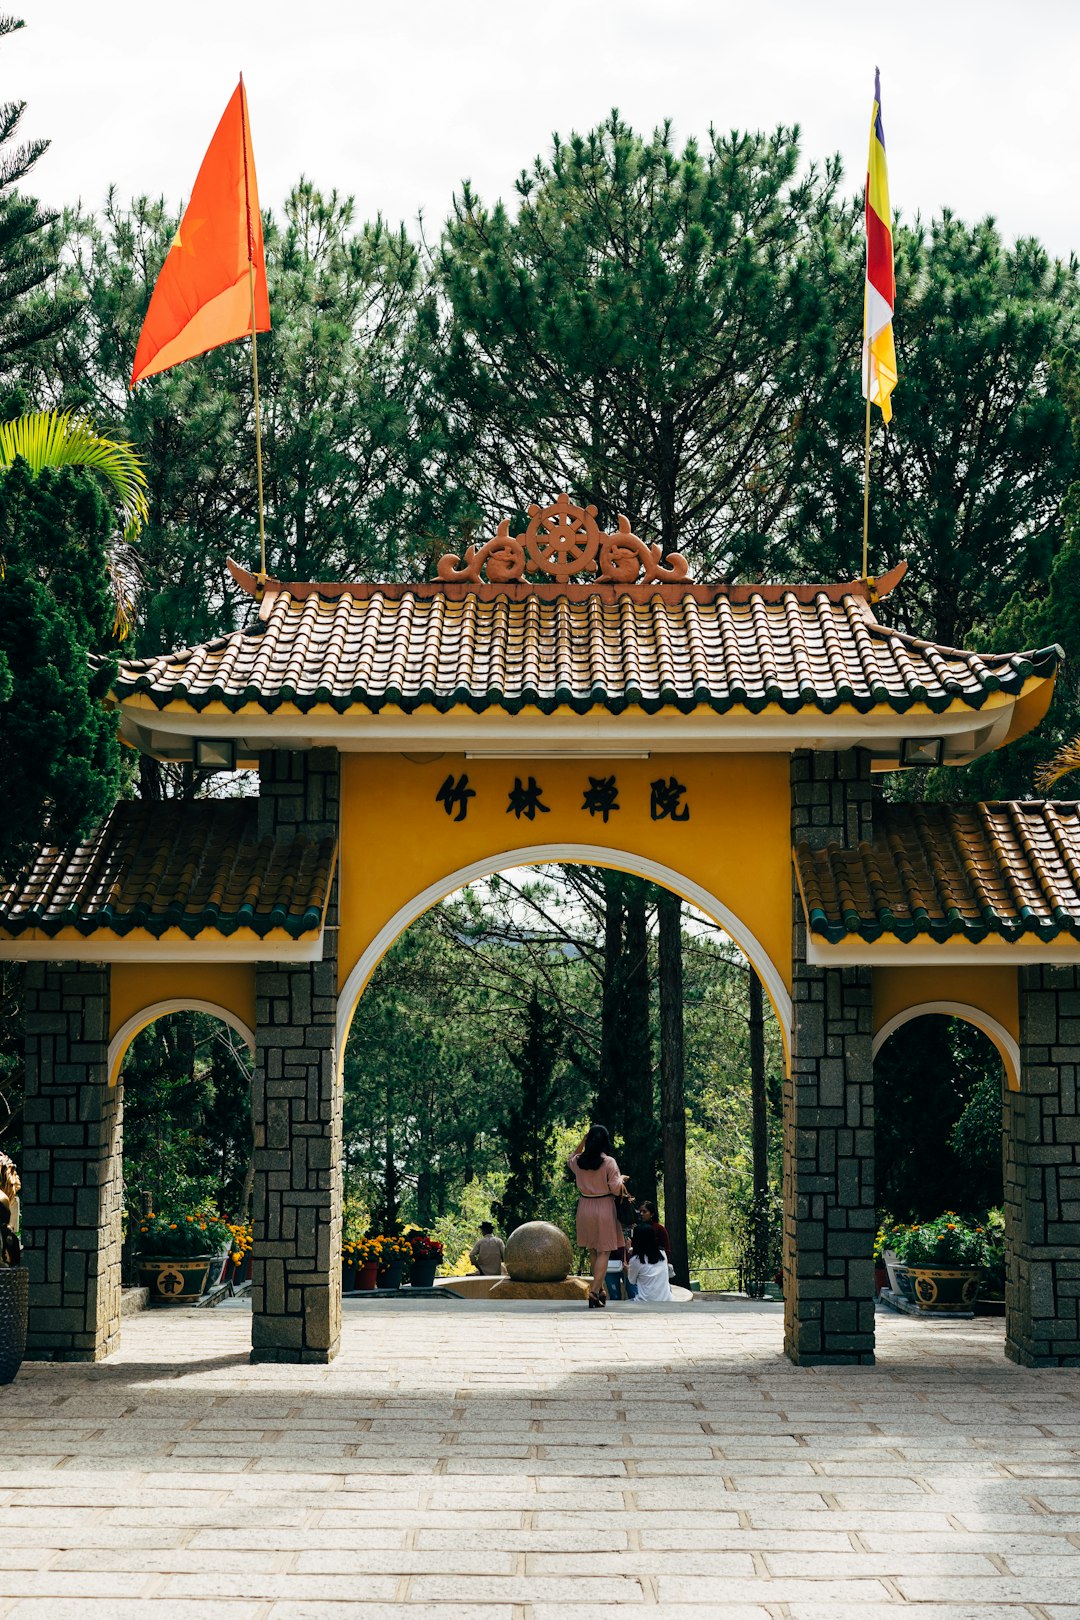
600, 798
563, 540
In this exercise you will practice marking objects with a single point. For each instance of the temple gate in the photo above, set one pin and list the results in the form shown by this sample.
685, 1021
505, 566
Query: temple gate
719, 739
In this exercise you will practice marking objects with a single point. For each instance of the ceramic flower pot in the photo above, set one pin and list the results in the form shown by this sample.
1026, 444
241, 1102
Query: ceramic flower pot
13, 1296
422, 1274
944, 1288
390, 1276
172, 1280
367, 1276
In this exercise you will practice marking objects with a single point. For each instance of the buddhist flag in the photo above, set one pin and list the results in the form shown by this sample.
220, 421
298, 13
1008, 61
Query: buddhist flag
879, 353
203, 295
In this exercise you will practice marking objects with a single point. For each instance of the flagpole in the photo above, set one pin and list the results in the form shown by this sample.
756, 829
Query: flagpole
866, 494
254, 340
258, 432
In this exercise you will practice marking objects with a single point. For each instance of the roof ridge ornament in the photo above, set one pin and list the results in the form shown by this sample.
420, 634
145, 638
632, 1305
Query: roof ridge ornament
561, 541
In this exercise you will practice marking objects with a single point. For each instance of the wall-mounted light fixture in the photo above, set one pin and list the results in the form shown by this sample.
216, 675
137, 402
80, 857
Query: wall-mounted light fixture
214, 755
922, 750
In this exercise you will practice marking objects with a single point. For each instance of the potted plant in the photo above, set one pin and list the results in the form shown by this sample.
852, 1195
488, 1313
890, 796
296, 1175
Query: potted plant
368, 1256
175, 1251
942, 1262
239, 1258
991, 1300
348, 1267
885, 1257
426, 1255
395, 1251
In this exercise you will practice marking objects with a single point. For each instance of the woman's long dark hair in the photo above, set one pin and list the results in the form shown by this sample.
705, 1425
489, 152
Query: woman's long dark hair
597, 1144
646, 1244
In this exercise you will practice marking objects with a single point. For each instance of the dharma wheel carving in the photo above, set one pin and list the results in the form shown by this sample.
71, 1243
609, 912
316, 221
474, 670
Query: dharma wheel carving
561, 542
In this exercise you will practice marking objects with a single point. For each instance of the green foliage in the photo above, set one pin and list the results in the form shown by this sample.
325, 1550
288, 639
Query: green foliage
179, 1232
458, 1229
757, 1235
187, 1117
28, 313
925, 1077
530, 1117
642, 330
947, 1240
968, 483
976, 1136
349, 429
59, 745
58, 439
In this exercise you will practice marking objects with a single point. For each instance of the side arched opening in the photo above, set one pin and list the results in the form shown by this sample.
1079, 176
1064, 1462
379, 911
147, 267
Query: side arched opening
942, 1071
182, 1068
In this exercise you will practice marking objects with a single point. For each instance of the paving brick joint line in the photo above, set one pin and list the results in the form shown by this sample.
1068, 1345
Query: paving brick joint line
540, 1464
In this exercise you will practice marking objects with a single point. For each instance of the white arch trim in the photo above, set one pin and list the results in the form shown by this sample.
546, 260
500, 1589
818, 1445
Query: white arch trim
568, 854
146, 1015
1006, 1044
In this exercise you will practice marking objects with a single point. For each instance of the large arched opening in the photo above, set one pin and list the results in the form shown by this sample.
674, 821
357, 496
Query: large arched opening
406, 1071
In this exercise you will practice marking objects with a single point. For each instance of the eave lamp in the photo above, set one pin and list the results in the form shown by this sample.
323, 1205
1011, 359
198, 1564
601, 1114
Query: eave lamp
922, 750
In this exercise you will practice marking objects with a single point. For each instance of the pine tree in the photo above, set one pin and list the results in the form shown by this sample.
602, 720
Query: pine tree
58, 742
28, 311
531, 1118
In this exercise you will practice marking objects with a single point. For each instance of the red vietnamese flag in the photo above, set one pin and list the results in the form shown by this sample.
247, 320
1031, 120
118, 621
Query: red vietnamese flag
202, 297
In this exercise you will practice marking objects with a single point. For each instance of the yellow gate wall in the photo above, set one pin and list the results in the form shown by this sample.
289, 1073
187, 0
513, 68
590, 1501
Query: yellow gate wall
397, 841
991, 990
142, 987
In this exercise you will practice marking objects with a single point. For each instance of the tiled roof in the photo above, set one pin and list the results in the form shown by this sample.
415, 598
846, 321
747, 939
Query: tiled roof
159, 866
948, 870
648, 647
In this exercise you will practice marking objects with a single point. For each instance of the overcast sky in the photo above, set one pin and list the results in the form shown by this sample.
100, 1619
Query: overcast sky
396, 103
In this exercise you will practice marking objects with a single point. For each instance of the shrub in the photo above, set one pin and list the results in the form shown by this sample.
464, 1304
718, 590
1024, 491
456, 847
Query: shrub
947, 1241
177, 1234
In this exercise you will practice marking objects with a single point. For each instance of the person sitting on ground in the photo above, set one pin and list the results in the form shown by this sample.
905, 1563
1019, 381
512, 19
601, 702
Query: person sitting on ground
486, 1253
649, 1216
10, 1248
648, 1268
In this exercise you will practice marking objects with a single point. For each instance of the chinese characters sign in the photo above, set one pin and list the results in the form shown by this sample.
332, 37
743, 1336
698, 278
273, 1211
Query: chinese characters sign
667, 798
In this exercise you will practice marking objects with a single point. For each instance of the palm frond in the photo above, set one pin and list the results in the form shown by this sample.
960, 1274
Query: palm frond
62, 439
1066, 759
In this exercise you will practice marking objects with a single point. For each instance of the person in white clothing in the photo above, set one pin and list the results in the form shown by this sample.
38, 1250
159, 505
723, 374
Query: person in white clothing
648, 1267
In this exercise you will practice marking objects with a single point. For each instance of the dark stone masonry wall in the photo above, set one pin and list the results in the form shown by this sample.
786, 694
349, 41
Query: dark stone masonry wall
1042, 1175
296, 1102
829, 1216
72, 1168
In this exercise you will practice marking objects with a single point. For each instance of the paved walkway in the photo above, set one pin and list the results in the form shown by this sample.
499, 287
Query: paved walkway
466, 1462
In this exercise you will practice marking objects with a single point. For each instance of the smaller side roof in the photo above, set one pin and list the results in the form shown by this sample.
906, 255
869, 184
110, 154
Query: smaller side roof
950, 871
199, 867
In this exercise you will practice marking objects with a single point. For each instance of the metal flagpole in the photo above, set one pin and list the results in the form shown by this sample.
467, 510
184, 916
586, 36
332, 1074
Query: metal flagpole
258, 435
254, 344
865, 487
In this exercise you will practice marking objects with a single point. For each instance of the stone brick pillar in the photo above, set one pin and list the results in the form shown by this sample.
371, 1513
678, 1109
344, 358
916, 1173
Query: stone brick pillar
1042, 1175
296, 1101
72, 1165
829, 1215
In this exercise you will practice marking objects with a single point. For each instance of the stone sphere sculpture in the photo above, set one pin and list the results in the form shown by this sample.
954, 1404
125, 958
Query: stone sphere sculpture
538, 1253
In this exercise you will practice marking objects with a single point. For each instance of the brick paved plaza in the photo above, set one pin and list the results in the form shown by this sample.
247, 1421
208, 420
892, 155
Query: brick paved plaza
540, 1463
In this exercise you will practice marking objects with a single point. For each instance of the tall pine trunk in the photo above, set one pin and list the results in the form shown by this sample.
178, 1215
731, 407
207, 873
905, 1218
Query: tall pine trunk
758, 1100
639, 1129
760, 1218
672, 1081
608, 1108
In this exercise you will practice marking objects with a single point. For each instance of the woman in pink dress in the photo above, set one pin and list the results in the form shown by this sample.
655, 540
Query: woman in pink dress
599, 1185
